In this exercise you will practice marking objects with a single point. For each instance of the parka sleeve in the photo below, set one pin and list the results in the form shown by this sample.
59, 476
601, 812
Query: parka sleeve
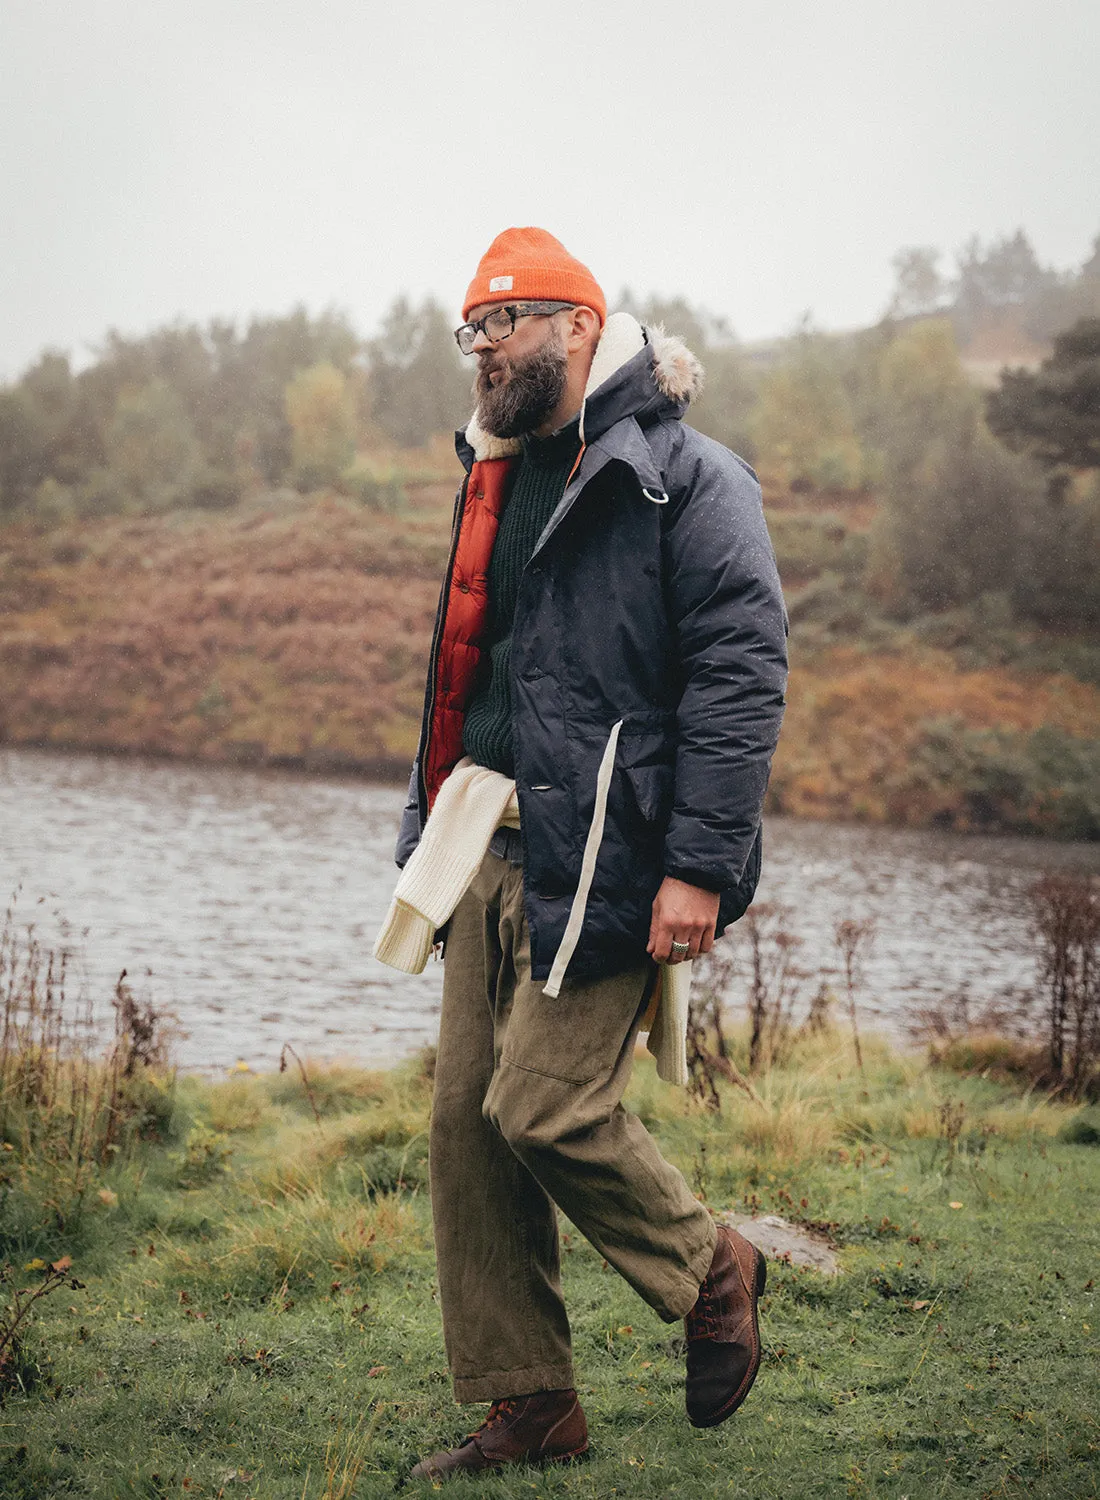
726, 607
408, 835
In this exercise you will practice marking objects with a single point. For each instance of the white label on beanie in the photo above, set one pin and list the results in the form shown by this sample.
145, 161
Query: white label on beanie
500, 284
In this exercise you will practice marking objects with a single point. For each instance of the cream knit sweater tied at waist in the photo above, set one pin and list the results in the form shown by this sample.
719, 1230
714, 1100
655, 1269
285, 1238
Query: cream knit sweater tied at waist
472, 804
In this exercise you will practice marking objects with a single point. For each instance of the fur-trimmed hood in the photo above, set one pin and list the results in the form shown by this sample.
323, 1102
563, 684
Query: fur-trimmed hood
636, 371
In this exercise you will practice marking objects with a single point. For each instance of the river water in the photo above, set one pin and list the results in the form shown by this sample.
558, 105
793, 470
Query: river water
246, 902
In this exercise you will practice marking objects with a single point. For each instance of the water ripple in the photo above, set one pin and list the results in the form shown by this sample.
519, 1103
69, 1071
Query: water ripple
246, 901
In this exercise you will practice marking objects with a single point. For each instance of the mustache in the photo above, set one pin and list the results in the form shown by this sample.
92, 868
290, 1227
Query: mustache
486, 366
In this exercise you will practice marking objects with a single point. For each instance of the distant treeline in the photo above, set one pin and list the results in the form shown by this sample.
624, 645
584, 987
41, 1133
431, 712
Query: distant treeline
200, 416
990, 281
191, 416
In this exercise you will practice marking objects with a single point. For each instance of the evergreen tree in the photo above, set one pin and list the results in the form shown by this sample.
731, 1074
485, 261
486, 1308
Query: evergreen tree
1054, 413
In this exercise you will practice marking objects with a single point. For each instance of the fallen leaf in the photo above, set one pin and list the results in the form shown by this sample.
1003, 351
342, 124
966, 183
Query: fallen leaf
954, 1205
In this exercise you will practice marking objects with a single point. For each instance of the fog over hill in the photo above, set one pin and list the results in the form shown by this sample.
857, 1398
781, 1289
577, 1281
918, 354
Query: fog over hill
224, 161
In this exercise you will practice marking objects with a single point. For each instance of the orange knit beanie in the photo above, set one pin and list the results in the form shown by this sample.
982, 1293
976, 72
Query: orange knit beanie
531, 265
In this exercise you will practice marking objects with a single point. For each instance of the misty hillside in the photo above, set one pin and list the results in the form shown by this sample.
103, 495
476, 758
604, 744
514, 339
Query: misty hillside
227, 542
294, 631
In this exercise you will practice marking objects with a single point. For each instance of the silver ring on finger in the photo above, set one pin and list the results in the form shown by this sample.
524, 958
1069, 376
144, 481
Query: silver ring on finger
680, 949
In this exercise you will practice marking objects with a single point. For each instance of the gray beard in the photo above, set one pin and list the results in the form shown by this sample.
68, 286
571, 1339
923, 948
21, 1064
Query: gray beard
523, 401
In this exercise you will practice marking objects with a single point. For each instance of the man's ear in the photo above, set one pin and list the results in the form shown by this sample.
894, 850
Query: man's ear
583, 330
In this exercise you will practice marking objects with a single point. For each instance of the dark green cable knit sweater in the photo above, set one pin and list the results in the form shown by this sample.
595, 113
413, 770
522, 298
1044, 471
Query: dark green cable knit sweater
538, 485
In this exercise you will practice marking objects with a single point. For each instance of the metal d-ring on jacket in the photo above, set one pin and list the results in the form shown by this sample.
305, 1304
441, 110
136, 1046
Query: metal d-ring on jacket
651, 611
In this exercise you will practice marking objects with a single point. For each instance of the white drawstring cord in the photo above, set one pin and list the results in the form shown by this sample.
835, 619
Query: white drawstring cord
571, 936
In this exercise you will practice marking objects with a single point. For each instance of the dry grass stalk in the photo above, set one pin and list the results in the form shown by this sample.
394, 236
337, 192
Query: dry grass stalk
345, 1456
1066, 916
16, 1310
66, 1110
708, 1062
305, 1078
853, 938
775, 983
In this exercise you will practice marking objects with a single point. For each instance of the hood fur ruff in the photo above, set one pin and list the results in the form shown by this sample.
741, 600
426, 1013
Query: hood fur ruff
676, 371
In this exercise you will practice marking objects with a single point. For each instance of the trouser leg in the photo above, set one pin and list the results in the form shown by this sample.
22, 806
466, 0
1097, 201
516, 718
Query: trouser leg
562, 1068
496, 1236
527, 1113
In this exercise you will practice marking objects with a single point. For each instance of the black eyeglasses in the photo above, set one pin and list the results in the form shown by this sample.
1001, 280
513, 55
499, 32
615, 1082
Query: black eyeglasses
501, 322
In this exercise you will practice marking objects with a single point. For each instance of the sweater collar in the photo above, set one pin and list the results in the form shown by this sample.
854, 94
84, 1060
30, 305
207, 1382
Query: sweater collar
554, 452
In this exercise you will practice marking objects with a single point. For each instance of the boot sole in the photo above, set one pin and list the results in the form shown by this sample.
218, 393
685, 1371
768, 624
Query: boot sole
539, 1461
576, 1456
714, 1418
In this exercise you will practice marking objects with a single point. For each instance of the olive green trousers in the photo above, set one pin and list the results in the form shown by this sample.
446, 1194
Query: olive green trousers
526, 1115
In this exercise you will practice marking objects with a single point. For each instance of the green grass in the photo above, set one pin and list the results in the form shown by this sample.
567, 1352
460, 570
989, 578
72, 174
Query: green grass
259, 1314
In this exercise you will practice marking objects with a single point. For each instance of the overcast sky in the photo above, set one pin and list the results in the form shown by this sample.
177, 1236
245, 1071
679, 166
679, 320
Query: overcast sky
223, 157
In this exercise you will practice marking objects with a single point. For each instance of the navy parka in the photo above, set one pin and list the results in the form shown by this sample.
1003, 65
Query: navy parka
652, 598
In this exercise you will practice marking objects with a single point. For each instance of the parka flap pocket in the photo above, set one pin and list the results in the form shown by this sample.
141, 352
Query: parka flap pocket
652, 789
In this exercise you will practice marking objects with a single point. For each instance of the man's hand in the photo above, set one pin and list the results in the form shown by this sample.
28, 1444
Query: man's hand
682, 913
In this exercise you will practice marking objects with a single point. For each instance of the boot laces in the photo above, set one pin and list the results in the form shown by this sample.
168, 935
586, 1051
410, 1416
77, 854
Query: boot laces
702, 1319
499, 1412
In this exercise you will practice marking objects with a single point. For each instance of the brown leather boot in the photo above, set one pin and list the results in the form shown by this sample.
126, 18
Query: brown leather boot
723, 1335
544, 1428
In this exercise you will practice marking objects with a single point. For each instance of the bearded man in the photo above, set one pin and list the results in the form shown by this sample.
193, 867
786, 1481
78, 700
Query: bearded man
605, 689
